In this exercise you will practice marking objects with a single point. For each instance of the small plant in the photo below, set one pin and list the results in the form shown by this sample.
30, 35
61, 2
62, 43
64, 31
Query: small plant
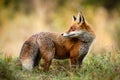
8, 69
5, 72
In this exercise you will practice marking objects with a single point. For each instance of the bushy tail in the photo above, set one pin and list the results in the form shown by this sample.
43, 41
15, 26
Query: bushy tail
29, 55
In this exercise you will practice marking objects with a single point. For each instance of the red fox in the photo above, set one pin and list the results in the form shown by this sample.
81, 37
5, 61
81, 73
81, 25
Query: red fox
73, 44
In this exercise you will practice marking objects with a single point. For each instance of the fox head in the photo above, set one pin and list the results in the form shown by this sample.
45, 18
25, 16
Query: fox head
79, 29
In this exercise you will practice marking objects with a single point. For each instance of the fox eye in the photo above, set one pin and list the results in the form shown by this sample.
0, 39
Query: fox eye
73, 29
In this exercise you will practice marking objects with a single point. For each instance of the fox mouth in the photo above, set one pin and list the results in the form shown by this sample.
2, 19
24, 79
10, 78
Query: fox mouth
68, 35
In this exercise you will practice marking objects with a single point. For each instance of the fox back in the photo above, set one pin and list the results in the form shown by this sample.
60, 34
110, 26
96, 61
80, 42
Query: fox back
73, 44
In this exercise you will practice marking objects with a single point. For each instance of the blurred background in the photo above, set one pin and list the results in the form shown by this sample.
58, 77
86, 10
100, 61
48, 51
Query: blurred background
19, 19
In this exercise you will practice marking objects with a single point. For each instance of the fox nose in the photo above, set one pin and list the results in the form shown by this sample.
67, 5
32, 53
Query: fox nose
62, 34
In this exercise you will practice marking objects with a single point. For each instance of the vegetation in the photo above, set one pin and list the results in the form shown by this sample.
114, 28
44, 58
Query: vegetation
95, 67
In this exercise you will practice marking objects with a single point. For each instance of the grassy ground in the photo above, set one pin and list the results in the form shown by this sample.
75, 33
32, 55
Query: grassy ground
95, 67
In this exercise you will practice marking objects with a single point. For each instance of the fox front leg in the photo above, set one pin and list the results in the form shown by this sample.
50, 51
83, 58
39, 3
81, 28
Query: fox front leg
73, 62
74, 53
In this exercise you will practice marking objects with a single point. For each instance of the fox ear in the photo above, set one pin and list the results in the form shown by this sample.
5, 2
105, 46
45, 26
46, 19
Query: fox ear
74, 18
80, 18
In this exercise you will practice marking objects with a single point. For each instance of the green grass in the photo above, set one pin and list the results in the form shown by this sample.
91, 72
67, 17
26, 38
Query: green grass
95, 67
